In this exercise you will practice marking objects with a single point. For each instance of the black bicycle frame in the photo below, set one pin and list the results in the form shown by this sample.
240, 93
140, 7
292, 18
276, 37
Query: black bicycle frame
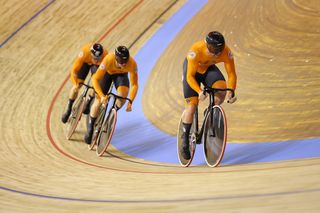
86, 89
211, 92
114, 103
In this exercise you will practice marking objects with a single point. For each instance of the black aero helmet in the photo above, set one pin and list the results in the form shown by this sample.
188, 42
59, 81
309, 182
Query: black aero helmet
215, 41
96, 50
122, 54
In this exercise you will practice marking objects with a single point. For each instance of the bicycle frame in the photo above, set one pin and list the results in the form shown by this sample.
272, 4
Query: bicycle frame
115, 97
85, 91
105, 126
211, 92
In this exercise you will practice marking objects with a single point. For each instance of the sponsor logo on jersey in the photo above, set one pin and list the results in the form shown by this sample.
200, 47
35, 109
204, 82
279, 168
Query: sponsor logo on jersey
102, 66
81, 54
230, 55
191, 55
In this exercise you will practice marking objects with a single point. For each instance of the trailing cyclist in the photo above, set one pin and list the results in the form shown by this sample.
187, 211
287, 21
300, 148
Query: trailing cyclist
199, 67
89, 58
114, 68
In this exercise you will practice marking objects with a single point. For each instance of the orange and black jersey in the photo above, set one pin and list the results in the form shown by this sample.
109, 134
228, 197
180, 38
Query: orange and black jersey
84, 57
199, 59
109, 66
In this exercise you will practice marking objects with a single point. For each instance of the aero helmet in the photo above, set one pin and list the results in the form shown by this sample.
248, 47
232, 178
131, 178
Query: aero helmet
122, 54
215, 42
96, 50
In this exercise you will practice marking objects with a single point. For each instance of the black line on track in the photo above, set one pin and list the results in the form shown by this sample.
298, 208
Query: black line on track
152, 23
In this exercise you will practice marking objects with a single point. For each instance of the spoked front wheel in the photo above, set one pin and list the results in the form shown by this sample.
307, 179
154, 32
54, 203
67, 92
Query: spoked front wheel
106, 132
215, 136
192, 144
75, 117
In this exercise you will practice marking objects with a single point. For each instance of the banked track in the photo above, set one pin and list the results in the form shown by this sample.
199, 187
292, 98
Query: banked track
38, 173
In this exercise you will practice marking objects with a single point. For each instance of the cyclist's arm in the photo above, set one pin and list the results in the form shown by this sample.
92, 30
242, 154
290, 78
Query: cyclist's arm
101, 71
133, 83
76, 68
230, 68
191, 73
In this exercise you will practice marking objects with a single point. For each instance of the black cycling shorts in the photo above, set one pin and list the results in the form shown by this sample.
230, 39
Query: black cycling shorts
84, 70
117, 79
211, 75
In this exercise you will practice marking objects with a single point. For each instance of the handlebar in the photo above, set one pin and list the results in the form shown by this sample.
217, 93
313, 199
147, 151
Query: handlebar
214, 90
117, 96
90, 87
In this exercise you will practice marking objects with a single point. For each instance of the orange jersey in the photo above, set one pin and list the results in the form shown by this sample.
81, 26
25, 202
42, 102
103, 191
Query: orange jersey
84, 57
108, 65
199, 59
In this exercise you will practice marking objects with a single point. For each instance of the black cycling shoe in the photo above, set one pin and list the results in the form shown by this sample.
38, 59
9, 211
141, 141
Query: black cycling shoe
87, 105
185, 147
186, 153
65, 116
86, 108
89, 133
88, 137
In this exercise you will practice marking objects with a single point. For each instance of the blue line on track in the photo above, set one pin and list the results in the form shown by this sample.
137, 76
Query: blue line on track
26, 23
136, 136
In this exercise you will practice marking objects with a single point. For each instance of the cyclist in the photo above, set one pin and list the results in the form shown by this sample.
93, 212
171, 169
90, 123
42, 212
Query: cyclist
89, 58
199, 67
114, 68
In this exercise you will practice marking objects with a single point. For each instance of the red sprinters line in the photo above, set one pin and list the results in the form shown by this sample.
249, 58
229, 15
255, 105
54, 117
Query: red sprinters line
48, 126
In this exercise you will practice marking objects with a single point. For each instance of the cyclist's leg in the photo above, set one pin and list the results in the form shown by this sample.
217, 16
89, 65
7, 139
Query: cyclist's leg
191, 96
121, 82
215, 79
73, 94
87, 105
191, 103
105, 84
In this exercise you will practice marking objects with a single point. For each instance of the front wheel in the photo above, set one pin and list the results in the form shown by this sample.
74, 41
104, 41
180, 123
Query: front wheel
215, 136
106, 132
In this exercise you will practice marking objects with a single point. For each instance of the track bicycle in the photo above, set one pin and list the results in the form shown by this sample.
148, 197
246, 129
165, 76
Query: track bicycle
105, 125
77, 111
213, 132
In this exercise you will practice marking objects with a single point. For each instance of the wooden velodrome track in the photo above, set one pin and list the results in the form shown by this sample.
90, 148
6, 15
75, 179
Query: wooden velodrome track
276, 46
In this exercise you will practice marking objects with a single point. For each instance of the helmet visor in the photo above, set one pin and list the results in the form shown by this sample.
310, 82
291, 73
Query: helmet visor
122, 60
216, 50
97, 58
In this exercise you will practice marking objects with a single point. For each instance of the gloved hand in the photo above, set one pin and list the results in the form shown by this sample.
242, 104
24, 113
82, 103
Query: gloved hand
129, 107
202, 96
104, 100
231, 99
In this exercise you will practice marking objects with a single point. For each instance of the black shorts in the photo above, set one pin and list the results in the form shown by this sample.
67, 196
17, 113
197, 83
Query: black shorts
84, 70
211, 75
117, 79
